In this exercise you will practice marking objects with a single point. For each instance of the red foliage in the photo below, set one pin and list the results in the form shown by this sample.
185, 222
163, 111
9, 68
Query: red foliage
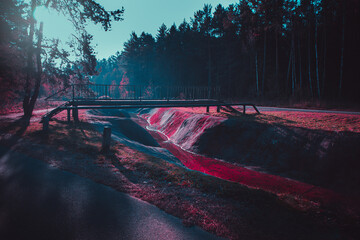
317, 121
47, 89
169, 122
176, 125
122, 88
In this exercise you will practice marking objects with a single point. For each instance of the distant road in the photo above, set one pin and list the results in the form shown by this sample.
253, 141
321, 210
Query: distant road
266, 109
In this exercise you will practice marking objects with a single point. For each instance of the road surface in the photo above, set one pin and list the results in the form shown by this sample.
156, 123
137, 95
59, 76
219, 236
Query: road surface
41, 202
266, 109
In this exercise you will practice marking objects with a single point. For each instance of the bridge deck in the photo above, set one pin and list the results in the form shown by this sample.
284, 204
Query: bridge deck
76, 105
144, 103
96, 96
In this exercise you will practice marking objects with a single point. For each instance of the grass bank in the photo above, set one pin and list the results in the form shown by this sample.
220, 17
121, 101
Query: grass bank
225, 208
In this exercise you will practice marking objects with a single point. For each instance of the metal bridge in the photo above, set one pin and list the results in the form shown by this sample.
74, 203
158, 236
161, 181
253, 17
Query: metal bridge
97, 96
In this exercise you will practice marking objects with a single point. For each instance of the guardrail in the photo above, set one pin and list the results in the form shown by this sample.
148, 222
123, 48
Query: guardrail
139, 92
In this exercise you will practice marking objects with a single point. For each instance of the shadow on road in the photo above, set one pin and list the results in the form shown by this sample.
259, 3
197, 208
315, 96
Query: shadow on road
41, 202
38, 202
13, 133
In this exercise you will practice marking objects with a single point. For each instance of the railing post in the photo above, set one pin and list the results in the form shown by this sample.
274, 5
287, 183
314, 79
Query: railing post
73, 92
45, 122
75, 114
167, 93
219, 94
140, 92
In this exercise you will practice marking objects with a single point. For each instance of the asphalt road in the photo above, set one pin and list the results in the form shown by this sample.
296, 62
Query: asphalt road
41, 202
265, 109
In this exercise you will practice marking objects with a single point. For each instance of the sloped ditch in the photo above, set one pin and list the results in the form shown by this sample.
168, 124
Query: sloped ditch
242, 150
323, 158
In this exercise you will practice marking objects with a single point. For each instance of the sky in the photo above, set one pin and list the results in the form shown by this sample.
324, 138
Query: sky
140, 15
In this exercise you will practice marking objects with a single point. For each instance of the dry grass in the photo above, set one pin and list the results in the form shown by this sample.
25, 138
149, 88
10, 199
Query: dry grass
316, 121
83, 138
225, 208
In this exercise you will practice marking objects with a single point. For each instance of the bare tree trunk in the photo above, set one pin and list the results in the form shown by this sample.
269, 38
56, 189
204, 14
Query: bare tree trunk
264, 66
209, 73
293, 72
324, 64
29, 70
294, 61
292, 76
342, 52
39, 71
257, 74
276, 58
317, 61
309, 64
289, 67
300, 69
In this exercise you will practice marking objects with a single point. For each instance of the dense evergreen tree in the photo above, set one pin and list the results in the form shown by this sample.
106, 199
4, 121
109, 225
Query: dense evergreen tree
12, 41
271, 48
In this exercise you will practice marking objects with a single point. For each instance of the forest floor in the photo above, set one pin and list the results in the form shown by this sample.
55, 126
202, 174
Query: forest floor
225, 208
307, 104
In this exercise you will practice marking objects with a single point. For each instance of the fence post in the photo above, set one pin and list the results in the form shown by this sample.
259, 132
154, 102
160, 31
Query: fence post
45, 122
75, 114
73, 92
167, 93
140, 92
106, 139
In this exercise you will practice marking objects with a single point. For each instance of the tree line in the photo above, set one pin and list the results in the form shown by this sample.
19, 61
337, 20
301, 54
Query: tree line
274, 49
271, 49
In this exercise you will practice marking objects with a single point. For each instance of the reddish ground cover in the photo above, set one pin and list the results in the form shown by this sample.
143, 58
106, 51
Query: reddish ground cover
319, 121
170, 123
223, 207
182, 128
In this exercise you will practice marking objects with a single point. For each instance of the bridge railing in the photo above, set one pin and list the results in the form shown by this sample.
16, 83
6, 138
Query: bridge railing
138, 92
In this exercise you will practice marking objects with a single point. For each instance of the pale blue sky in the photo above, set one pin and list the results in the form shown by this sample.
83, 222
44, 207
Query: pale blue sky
140, 15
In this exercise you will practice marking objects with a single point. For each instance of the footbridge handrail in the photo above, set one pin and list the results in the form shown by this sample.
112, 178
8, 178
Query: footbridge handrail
139, 92
58, 92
